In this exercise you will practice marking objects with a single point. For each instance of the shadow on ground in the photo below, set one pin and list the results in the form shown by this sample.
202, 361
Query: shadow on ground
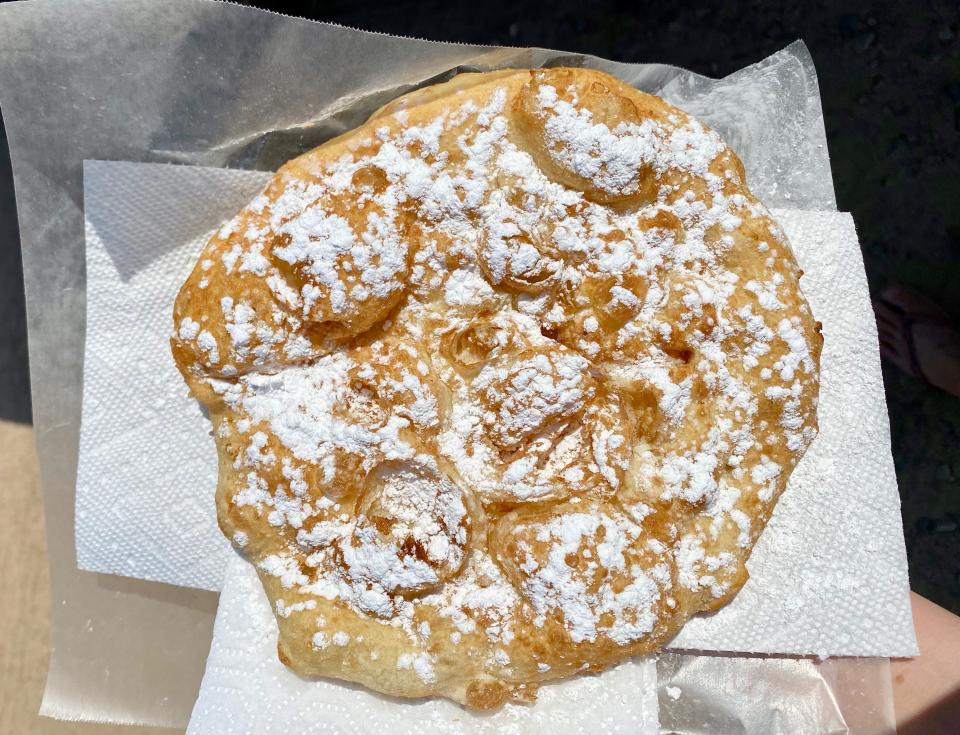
14, 374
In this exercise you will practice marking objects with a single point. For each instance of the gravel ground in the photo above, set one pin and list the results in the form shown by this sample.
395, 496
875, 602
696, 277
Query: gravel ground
890, 82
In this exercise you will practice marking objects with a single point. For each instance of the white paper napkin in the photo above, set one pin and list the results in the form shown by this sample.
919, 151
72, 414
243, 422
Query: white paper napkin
247, 690
829, 575
147, 467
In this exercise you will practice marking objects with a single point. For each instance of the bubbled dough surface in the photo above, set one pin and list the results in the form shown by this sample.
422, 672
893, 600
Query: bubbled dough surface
505, 384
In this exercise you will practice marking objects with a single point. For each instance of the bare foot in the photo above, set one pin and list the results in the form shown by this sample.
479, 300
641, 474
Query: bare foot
918, 337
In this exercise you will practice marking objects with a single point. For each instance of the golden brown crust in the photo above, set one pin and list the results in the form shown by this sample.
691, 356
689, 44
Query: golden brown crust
505, 384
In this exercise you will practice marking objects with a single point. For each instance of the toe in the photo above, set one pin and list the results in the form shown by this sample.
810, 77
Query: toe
891, 354
888, 333
888, 348
889, 325
883, 311
911, 302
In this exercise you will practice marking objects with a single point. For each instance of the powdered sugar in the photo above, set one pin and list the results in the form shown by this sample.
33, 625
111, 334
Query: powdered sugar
614, 159
188, 329
285, 568
345, 267
586, 599
421, 663
466, 288
519, 343
530, 393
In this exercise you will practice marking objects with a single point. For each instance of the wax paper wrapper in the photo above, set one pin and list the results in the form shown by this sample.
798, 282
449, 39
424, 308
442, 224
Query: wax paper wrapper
704, 694
210, 83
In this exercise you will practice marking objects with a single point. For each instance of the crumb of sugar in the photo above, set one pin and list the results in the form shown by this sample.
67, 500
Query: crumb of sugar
340, 638
420, 663
466, 288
